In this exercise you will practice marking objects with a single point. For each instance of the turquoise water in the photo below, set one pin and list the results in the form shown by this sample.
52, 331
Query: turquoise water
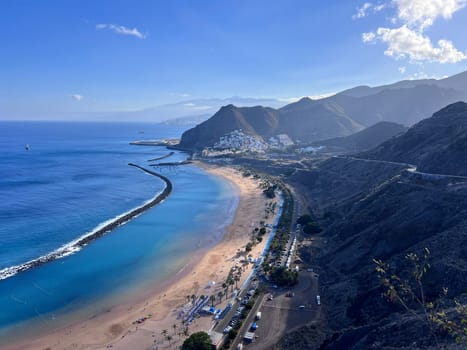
74, 177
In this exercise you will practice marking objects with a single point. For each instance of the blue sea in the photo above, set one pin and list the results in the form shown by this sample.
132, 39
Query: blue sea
73, 177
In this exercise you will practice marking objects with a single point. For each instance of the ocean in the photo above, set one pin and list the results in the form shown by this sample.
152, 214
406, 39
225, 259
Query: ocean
60, 181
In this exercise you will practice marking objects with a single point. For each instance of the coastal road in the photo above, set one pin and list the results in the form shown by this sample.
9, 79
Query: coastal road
226, 320
248, 321
409, 167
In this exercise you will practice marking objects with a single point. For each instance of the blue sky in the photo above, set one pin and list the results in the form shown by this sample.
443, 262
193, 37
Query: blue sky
62, 58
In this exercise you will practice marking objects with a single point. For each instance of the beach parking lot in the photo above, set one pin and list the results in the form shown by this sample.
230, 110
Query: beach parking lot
284, 313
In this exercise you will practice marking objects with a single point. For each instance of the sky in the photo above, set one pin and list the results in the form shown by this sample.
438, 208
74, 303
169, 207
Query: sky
61, 59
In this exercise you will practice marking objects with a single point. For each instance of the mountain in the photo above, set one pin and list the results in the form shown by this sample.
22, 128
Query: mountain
405, 102
257, 121
363, 90
455, 82
371, 207
189, 121
399, 105
308, 120
184, 112
435, 145
363, 140
305, 120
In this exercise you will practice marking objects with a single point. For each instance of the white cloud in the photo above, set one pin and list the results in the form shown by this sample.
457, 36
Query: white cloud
420, 75
379, 7
321, 96
404, 42
368, 37
402, 70
121, 30
422, 13
409, 40
76, 97
194, 106
363, 10
313, 97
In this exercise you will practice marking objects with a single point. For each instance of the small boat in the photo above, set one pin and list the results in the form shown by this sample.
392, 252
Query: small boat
27, 147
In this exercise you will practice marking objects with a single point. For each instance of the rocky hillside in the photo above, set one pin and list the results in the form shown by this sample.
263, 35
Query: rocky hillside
343, 114
376, 209
258, 121
399, 105
363, 140
436, 145
309, 120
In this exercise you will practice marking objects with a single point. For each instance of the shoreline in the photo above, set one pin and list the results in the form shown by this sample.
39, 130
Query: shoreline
75, 245
115, 327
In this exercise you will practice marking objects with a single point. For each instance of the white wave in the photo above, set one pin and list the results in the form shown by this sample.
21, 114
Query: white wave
73, 246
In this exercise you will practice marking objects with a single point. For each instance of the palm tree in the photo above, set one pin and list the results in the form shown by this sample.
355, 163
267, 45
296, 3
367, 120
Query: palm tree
169, 338
165, 332
174, 326
212, 298
220, 295
231, 282
236, 278
193, 298
185, 332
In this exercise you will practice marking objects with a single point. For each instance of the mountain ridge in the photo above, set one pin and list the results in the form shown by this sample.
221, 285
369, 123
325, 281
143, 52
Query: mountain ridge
365, 139
350, 111
435, 144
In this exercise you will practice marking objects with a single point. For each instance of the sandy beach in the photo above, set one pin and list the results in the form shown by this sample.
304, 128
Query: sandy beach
116, 328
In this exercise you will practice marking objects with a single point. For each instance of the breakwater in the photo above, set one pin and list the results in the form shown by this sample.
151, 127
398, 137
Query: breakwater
163, 157
99, 231
183, 162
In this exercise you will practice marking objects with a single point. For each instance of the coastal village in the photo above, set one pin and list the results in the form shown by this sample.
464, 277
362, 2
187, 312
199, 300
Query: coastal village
238, 142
